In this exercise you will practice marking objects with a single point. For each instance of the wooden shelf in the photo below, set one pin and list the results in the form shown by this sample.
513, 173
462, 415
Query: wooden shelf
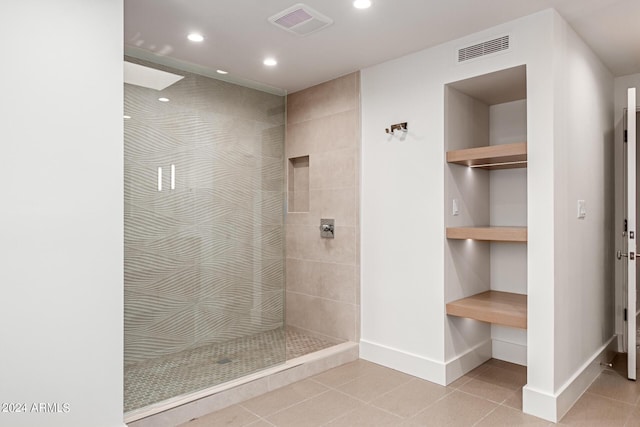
505, 156
500, 308
493, 234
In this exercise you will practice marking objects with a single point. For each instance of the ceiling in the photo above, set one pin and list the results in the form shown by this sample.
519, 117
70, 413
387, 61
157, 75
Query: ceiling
238, 35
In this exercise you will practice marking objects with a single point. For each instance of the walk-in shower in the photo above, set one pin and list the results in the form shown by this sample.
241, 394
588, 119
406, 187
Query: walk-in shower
204, 237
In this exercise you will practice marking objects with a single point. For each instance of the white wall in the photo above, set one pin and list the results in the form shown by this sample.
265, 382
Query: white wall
584, 170
61, 218
508, 205
403, 319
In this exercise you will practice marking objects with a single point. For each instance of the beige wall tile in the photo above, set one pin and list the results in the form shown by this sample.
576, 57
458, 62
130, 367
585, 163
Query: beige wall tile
323, 122
325, 99
331, 318
338, 204
297, 142
335, 132
299, 218
307, 244
332, 169
326, 280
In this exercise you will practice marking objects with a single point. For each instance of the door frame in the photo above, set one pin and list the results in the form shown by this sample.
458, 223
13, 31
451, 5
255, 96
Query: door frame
621, 240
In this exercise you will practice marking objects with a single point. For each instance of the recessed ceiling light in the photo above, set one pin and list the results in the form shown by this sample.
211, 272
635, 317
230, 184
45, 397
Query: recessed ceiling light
126, 117
362, 4
195, 37
270, 62
163, 99
222, 72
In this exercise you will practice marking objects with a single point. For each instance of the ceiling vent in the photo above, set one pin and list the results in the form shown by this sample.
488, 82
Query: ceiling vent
301, 20
489, 47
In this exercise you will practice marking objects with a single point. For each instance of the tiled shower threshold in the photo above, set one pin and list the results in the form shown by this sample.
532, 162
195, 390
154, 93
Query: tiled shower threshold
320, 355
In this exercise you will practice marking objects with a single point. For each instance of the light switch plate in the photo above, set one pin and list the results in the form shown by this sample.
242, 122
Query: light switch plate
582, 209
455, 209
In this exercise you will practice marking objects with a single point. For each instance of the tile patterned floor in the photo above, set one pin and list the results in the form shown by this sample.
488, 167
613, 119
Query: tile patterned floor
365, 394
170, 376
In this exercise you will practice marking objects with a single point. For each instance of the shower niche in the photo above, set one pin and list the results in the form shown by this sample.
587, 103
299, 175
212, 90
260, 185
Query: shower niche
298, 184
486, 219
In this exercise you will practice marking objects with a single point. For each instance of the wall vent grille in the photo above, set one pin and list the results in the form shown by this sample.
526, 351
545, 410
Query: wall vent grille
485, 48
300, 19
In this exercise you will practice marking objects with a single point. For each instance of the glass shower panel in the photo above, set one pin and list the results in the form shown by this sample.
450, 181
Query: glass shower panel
204, 261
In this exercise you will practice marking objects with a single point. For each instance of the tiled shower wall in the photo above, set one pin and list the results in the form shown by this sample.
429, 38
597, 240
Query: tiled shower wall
204, 262
323, 283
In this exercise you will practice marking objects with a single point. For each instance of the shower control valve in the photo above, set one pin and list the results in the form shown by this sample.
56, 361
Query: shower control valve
327, 228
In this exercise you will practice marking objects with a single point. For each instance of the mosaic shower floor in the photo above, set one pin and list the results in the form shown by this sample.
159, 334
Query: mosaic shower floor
192, 370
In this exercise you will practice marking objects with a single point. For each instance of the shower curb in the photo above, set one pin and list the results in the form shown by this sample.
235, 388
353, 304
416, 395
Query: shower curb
187, 407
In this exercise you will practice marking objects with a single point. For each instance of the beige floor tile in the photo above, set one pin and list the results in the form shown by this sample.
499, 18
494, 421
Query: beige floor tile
277, 400
469, 375
485, 390
479, 369
315, 411
233, 416
503, 377
366, 416
455, 409
343, 374
459, 382
594, 410
508, 366
260, 423
373, 385
634, 419
611, 384
504, 416
410, 398
515, 401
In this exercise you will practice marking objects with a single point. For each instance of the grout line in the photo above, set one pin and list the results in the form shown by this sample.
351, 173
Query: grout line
322, 298
388, 412
264, 420
483, 398
489, 413
451, 391
608, 398
297, 403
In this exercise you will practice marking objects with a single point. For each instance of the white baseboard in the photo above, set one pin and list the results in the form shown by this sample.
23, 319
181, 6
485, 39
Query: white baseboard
553, 407
409, 363
423, 367
509, 352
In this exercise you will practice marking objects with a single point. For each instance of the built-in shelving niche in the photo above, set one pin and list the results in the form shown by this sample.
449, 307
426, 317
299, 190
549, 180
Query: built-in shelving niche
486, 240
298, 184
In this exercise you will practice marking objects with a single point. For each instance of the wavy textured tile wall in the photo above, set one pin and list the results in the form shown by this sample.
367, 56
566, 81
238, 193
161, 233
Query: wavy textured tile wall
204, 262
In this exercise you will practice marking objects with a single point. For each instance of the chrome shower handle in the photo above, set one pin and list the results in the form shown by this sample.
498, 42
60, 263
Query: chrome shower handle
326, 228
